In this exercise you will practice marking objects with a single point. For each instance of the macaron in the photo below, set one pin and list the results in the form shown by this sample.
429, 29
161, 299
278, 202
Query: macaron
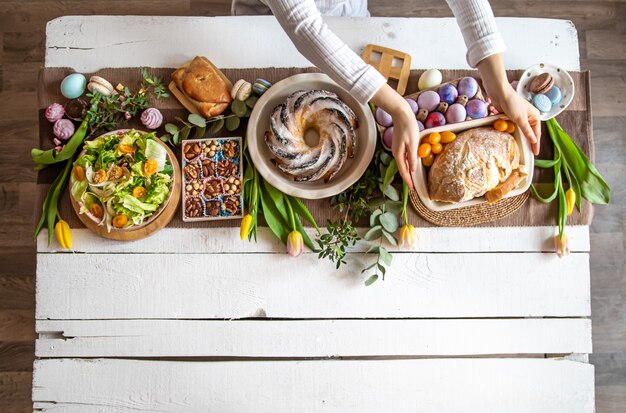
260, 86
542, 102
100, 85
541, 83
554, 94
241, 90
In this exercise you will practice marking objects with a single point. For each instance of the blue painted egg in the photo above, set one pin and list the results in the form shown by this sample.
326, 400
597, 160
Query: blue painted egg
476, 109
456, 113
428, 100
73, 86
448, 93
468, 86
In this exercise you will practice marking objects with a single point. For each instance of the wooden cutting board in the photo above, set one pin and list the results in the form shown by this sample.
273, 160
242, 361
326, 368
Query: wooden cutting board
164, 217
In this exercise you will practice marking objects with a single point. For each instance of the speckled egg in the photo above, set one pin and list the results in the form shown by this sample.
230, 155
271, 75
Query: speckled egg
428, 79
435, 119
413, 104
383, 118
468, 86
428, 100
476, 109
542, 102
420, 126
73, 86
456, 113
388, 136
448, 93
554, 94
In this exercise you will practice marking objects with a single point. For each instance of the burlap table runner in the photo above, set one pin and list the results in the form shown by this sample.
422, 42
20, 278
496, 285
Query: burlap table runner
576, 120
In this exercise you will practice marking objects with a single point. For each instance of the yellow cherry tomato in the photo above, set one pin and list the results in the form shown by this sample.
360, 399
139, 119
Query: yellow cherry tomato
447, 137
150, 167
500, 125
428, 161
434, 138
126, 148
79, 173
96, 210
510, 128
139, 192
120, 221
436, 148
424, 150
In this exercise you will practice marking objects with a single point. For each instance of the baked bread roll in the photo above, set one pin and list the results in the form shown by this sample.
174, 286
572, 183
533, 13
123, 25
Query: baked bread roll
478, 161
204, 85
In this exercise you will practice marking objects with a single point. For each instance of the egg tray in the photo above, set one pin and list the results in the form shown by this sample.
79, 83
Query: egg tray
414, 96
212, 174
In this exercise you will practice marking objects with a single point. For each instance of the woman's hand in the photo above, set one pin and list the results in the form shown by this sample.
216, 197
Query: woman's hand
405, 131
521, 112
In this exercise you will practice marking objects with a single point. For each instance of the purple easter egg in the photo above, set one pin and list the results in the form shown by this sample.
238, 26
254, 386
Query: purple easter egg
435, 119
456, 113
383, 118
420, 126
448, 93
428, 100
388, 137
468, 86
412, 104
476, 109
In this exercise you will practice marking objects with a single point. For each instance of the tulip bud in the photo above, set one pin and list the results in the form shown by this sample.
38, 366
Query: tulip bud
570, 201
294, 244
63, 234
561, 245
246, 226
408, 236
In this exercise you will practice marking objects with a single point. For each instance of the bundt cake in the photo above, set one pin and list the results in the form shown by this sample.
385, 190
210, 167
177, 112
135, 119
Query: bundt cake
324, 112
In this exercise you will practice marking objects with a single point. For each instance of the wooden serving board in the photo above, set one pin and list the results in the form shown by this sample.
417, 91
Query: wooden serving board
164, 217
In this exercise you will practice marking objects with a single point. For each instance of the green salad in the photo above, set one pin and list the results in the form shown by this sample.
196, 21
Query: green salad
122, 179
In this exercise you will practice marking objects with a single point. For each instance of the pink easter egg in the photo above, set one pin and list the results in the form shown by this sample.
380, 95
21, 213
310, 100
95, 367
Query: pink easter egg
456, 113
435, 119
388, 136
383, 118
428, 100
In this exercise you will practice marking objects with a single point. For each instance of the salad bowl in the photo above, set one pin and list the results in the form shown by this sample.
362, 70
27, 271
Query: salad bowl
125, 184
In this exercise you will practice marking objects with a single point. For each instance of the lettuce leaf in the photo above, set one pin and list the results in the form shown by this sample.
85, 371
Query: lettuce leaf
135, 205
157, 152
78, 189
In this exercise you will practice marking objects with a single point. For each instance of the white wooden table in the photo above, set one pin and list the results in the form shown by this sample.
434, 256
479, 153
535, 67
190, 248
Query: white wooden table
194, 320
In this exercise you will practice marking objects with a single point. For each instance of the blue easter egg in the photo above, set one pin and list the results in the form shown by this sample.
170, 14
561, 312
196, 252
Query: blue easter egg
448, 93
476, 109
73, 86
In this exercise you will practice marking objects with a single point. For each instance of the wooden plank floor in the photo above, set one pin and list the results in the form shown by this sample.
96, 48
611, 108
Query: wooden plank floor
602, 35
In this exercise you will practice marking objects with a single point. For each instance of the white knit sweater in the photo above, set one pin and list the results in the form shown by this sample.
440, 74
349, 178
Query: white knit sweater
302, 21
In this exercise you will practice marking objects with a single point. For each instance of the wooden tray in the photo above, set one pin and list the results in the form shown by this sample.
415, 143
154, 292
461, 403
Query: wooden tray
164, 217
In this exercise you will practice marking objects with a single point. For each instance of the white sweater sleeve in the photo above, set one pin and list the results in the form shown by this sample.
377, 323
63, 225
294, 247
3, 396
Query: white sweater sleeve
478, 26
303, 23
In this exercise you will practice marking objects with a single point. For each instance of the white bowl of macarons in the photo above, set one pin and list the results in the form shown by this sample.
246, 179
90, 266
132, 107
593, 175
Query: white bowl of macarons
548, 87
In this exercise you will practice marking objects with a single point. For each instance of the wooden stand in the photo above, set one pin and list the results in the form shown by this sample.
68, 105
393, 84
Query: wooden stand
385, 64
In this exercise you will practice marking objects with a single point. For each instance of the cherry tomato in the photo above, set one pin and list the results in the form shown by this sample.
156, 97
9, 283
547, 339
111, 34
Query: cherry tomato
126, 148
139, 192
447, 137
428, 161
510, 128
500, 125
434, 138
150, 167
79, 173
437, 148
96, 210
120, 221
424, 150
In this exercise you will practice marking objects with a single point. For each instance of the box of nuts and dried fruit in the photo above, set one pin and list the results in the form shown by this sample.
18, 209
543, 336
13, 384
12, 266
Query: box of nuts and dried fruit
212, 179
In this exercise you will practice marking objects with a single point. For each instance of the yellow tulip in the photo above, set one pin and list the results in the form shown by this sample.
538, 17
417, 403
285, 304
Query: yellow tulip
408, 236
63, 234
570, 201
246, 226
294, 244
561, 245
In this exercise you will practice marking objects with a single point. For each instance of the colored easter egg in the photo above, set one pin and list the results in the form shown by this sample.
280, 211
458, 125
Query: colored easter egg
428, 100
554, 94
542, 102
383, 118
435, 119
448, 93
388, 137
73, 85
413, 104
456, 113
476, 109
420, 126
428, 79
468, 86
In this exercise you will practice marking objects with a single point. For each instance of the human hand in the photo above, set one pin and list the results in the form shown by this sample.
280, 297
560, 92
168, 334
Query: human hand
404, 144
522, 113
